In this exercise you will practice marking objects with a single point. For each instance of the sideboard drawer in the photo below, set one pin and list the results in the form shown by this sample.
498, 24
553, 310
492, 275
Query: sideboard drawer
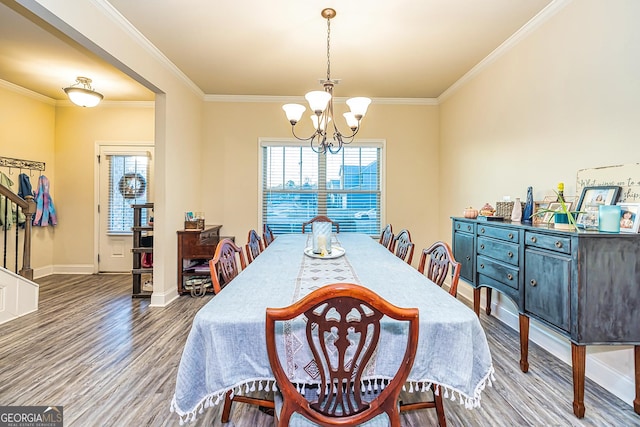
465, 227
547, 241
496, 270
510, 235
497, 249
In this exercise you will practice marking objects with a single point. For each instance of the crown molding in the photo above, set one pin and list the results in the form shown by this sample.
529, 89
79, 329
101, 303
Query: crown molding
26, 92
128, 27
300, 99
543, 16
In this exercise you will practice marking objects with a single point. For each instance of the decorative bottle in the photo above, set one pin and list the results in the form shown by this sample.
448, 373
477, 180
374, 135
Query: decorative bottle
516, 213
560, 192
527, 213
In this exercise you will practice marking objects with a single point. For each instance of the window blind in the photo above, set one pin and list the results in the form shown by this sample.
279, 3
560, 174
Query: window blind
298, 184
128, 185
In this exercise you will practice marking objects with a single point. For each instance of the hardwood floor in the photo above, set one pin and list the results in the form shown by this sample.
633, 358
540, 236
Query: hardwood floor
111, 360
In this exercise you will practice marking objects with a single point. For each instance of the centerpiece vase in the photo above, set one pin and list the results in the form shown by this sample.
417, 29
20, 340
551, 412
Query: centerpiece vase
527, 213
321, 237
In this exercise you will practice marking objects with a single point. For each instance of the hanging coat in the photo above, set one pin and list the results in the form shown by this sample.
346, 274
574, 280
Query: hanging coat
24, 186
13, 214
45, 210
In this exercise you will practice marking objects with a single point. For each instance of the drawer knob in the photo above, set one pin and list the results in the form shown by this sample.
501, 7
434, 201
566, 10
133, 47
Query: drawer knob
510, 276
533, 282
510, 254
510, 235
468, 258
481, 265
558, 244
481, 246
533, 239
482, 230
458, 226
468, 228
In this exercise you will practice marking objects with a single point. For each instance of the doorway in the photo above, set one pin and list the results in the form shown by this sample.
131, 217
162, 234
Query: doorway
125, 177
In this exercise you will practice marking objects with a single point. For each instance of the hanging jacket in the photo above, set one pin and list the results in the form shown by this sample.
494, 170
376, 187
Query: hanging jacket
13, 214
45, 210
24, 186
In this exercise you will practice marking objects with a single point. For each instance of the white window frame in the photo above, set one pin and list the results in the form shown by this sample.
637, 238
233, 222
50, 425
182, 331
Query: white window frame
288, 142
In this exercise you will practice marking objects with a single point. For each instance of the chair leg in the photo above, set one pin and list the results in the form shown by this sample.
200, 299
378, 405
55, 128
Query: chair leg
226, 409
437, 397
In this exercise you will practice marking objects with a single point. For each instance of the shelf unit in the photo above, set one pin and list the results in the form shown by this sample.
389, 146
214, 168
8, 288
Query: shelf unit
138, 250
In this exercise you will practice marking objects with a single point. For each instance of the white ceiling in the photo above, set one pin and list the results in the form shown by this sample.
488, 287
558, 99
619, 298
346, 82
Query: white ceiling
380, 49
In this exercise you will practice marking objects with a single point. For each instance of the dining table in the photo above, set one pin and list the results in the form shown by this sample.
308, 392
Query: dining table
226, 346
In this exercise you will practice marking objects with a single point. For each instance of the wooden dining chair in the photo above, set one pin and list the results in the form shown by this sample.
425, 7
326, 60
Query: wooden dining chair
267, 235
320, 218
350, 316
224, 264
386, 236
441, 264
402, 246
254, 246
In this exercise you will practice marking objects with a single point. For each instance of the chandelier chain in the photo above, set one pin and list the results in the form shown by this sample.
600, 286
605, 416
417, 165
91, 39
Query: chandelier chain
328, 49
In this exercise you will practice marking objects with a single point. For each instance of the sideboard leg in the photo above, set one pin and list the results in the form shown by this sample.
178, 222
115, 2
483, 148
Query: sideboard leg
524, 343
578, 353
636, 402
487, 309
476, 301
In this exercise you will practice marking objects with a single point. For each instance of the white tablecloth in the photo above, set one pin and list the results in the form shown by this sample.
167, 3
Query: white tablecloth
226, 345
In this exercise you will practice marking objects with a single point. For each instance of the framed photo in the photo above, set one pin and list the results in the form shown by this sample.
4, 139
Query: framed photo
554, 207
591, 199
629, 217
537, 206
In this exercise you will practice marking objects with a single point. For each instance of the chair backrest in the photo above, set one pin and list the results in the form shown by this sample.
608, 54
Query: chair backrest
254, 246
441, 263
403, 246
224, 264
386, 236
320, 218
343, 331
267, 235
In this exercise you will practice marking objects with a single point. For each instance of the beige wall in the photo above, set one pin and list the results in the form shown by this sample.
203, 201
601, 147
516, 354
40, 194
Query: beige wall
77, 132
177, 121
27, 131
565, 98
230, 163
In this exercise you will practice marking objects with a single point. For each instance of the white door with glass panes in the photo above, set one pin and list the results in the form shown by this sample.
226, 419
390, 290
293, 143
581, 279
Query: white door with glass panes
125, 174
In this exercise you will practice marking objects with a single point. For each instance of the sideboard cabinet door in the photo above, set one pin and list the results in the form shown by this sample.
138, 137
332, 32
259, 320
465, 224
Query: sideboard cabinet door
547, 283
464, 250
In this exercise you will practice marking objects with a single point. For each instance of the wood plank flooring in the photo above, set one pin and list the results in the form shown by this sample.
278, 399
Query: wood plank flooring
111, 360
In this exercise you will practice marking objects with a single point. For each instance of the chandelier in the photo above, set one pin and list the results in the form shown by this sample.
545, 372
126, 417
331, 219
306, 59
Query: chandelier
83, 96
327, 137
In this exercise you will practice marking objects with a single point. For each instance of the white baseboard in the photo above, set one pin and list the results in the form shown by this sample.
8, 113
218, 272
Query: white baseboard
606, 374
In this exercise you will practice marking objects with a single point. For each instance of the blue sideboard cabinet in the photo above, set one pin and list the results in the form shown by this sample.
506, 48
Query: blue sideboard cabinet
583, 285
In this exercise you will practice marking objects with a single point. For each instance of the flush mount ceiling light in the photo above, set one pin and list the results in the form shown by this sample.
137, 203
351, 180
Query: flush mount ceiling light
321, 104
81, 93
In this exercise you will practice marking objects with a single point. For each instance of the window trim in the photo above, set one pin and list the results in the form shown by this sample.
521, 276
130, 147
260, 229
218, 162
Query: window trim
291, 142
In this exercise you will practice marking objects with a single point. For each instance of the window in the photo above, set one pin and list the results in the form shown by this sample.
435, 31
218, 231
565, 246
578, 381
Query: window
128, 184
298, 184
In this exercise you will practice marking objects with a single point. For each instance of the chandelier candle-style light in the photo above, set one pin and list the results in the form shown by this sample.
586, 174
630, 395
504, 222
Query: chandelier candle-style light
83, 96
321, 104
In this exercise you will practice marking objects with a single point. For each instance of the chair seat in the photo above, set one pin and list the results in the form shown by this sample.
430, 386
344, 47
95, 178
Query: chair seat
298, 420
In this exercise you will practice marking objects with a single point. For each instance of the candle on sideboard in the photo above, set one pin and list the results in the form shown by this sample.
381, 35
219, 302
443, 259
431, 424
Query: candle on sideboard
609, 218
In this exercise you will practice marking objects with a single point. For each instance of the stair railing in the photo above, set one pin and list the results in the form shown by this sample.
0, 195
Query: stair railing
26, 206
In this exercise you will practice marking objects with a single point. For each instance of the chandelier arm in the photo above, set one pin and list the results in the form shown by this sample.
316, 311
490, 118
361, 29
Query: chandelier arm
310, 138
